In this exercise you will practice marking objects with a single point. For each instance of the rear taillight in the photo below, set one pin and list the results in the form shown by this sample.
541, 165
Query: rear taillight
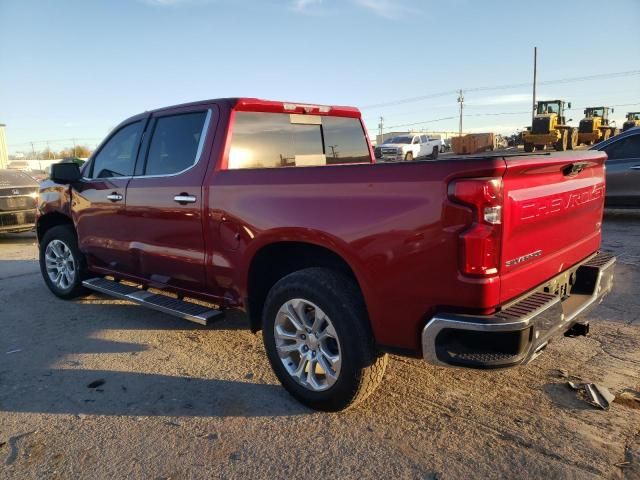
480, 243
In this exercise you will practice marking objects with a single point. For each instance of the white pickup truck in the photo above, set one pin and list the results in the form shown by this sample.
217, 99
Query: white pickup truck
407, 148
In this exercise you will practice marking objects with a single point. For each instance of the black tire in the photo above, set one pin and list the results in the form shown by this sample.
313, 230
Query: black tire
605, 135
528, 147
66, 235
362, 366
539, 148
435, 152
408, 157
561, 145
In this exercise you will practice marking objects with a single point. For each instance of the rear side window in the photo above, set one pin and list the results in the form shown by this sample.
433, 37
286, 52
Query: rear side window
175, 143
272, 140
118, 156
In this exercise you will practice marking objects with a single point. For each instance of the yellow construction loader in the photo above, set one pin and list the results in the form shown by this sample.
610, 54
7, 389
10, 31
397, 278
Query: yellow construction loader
633, 120
594, 127
550, 128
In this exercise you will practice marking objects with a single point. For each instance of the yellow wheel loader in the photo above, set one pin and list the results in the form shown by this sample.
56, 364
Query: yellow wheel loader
550, 128
633, 120
594, 127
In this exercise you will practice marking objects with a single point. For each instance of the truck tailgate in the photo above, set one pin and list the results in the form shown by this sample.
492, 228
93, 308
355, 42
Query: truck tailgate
552, 217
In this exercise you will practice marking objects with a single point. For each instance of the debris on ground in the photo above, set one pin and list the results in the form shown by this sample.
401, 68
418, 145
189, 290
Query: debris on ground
13, 351
595, 394
96, 383
629, 399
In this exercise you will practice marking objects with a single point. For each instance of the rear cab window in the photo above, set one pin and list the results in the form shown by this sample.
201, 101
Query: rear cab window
276, 140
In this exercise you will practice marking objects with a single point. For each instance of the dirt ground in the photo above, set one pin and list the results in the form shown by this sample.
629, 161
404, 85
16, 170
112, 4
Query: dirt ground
176, 400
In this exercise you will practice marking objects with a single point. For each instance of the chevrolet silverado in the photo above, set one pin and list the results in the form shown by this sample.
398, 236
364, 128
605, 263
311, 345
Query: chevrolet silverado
279, 209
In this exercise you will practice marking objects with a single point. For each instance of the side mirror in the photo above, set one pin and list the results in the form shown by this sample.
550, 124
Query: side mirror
569, 105
570, 120
65, 172
613, 110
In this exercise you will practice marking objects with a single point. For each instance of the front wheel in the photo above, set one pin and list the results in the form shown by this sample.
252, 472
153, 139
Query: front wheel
318, 340
408, 157
61, 263
528, 147
572, 139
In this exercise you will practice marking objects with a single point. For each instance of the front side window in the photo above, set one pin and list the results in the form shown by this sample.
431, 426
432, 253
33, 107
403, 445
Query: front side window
625, 148
175, 143
271, 140
118, 156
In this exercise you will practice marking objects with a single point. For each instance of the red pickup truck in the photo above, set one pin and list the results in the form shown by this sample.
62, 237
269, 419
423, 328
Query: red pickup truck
278, 209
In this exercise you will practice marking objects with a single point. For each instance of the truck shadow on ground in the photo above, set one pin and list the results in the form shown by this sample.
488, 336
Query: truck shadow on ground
49, 350
101, 392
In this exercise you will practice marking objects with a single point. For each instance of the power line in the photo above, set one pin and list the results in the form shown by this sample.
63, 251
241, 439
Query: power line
598, 76
491, 114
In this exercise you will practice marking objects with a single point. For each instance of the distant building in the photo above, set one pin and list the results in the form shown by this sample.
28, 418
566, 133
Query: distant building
4, 156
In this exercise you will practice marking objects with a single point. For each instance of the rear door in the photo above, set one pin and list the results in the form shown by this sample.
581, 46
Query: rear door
623, 171
552, 217
99, 200
164, 198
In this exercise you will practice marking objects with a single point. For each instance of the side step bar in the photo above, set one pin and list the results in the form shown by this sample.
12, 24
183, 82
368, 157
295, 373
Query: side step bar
178, 308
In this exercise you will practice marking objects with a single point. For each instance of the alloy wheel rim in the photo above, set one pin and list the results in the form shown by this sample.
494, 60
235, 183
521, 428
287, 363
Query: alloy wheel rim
307, 344
60, 264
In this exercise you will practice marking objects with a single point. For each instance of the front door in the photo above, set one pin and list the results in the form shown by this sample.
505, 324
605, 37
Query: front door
99, 201
164, 198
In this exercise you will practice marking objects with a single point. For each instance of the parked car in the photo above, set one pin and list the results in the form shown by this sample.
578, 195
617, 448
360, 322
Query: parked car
623, 168
18, 197
407, 148
21, 165
278, 209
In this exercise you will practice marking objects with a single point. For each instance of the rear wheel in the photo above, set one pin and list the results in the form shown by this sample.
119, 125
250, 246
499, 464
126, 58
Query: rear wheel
318, 340
561, 144
528, 147
408, 157
572, 138
61, 263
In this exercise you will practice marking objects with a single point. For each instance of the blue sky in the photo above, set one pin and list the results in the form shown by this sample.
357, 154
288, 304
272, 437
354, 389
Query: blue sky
74, 69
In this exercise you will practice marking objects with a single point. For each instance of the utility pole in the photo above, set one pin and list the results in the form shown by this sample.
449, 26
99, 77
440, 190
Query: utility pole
74, 148
33, 152
461, 102
380, 127
535, 73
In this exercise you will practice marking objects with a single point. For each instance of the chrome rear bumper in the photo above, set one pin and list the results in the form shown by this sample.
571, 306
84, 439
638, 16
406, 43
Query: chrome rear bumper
520, 330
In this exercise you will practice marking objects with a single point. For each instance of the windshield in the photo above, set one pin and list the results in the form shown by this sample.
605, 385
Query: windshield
399, 140
548, 108
634, 116
595, 112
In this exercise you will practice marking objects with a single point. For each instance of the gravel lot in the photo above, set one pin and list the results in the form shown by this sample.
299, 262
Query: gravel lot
175, 400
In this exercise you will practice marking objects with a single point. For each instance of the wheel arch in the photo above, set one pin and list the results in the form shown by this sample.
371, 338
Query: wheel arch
50, 220
275, 260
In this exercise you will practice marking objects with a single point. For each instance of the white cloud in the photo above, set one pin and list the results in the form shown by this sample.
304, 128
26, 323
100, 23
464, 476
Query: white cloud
382, 8
515, 98
301, 5
172, 3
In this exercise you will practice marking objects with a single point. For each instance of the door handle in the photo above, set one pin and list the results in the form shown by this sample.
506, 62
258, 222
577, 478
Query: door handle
115, 197
184, 198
